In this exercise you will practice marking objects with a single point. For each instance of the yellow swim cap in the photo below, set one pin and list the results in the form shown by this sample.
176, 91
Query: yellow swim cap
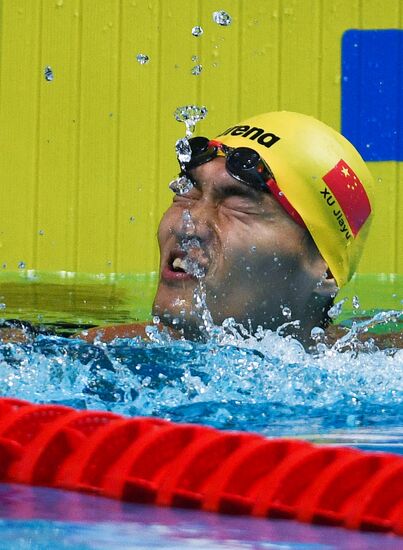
321, 175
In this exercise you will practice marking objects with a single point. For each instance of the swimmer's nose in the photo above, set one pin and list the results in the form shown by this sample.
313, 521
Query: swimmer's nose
198, 220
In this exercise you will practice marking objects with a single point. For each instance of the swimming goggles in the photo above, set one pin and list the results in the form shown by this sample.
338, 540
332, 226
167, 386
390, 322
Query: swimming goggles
242, 163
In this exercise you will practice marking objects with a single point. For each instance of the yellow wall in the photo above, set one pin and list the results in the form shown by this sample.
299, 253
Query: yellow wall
81, 155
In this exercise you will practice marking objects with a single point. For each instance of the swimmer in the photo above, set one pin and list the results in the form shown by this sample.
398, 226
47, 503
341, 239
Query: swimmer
271, 217
269, 220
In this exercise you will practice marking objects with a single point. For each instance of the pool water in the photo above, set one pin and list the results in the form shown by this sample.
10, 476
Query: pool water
268, 384
37, 518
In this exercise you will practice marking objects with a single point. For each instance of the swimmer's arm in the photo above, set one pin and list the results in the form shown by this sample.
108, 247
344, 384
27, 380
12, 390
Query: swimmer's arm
129, 330
13, 335
382, 341
109, 333
15, 331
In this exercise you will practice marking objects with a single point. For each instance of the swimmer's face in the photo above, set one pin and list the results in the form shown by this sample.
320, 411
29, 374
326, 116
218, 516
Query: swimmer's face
252, 257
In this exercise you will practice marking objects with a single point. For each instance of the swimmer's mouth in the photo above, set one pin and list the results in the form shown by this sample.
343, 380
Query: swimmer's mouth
181, 267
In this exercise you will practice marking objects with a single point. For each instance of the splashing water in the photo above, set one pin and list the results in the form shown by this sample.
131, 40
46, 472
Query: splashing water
188, 226
222, 18
142, 58
351, 341
260, 382
190, 115
190, 264
191, 246
335, 310
181, 185
183, 150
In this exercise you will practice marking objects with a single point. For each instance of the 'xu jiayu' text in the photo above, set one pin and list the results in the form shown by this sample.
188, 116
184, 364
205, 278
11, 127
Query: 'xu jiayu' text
337, 213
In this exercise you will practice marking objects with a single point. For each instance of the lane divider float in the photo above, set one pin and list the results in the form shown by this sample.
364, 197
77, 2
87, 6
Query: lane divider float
150, 460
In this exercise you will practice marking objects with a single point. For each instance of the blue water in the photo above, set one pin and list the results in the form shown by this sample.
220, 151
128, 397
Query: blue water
267, 384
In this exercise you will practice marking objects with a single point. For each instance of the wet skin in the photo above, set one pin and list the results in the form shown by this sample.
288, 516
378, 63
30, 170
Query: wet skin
256, 259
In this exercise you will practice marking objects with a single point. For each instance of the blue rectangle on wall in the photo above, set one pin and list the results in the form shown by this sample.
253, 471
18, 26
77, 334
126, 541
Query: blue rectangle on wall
372, 92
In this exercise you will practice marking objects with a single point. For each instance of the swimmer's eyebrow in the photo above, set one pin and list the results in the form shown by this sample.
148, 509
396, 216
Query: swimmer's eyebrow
239, 190
231, 189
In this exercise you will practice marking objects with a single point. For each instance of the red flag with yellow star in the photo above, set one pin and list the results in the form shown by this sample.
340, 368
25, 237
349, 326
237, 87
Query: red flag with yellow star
350, 194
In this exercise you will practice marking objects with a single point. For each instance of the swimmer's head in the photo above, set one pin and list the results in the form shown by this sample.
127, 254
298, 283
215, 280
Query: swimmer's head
321, 181
270, 229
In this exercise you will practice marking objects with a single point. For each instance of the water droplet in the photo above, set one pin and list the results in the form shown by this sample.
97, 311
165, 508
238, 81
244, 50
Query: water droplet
183, 150
335, 310
132, 219
181, 185
287, 312
195, 58
142, 58
356, 302
281, 194
196, 70
197, 31
379, 180
3, 305
189, 226
317, 333
222, 18
49, 76
253, 249
21, 265
4, 266
41, 232
156, 320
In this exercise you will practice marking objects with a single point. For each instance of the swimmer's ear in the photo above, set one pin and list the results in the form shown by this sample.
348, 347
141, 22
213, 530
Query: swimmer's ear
327, 286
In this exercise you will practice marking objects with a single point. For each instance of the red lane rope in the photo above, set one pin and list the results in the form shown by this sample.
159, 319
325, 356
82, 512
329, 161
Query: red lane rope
150, 460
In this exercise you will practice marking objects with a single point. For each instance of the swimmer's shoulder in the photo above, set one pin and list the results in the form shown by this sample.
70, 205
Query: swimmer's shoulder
110, 332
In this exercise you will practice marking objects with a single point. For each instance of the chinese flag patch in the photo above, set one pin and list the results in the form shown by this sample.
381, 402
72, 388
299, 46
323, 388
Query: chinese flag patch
350, 194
